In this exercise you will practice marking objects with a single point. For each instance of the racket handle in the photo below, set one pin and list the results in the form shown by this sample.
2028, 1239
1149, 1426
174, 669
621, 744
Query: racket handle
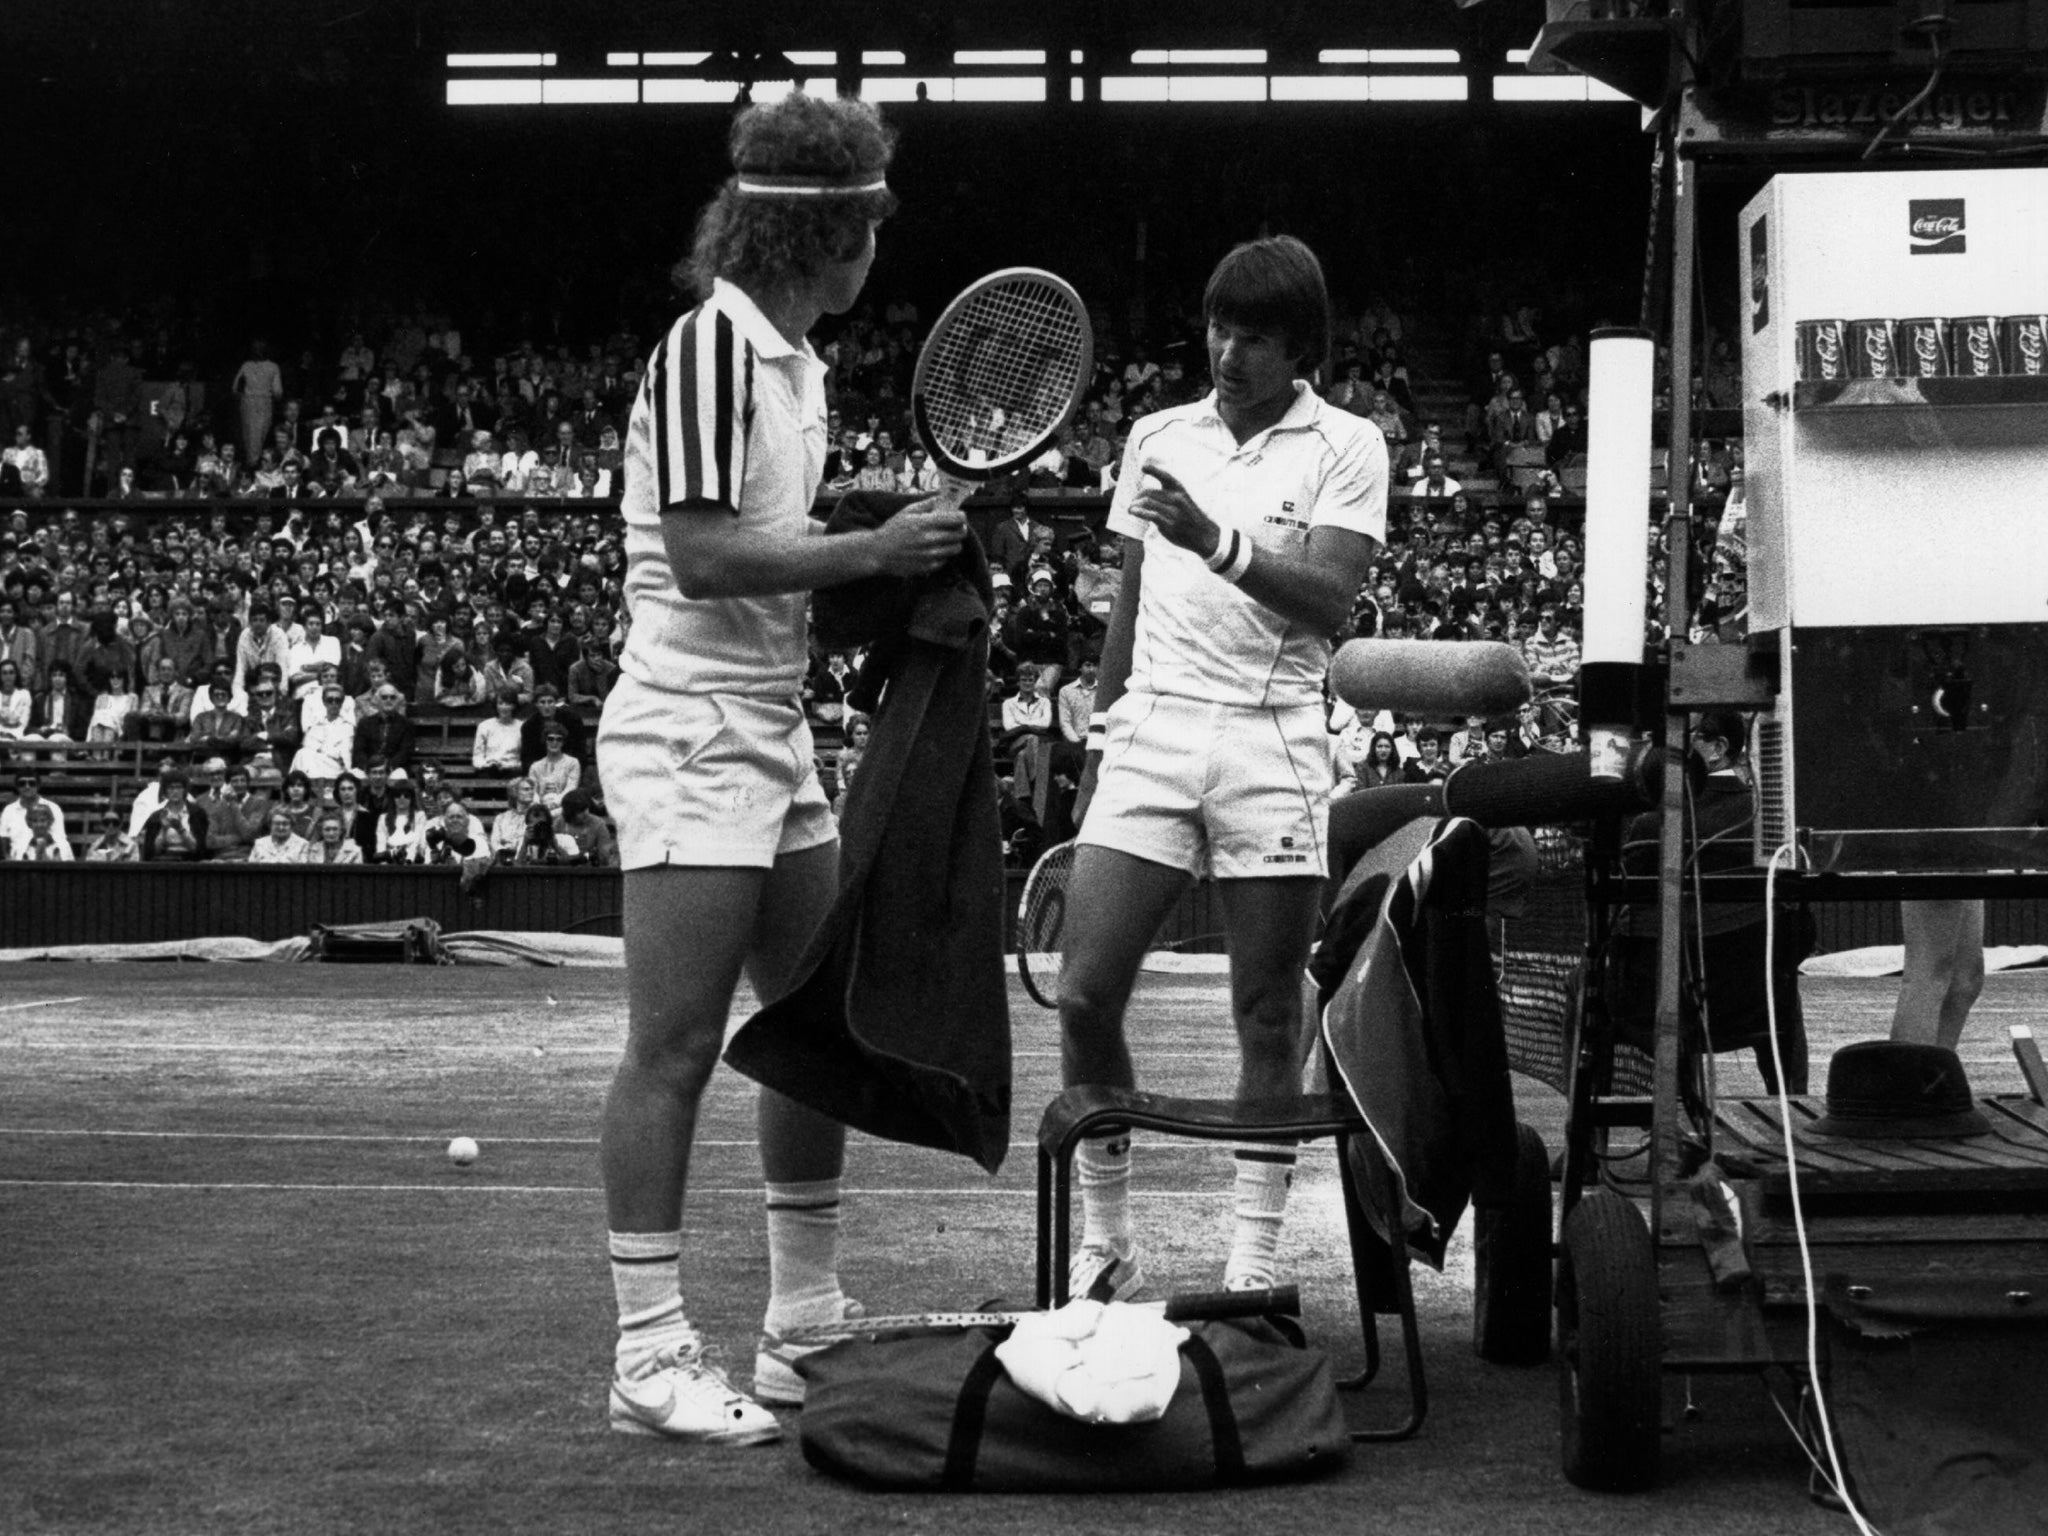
953, 493
1273, 1301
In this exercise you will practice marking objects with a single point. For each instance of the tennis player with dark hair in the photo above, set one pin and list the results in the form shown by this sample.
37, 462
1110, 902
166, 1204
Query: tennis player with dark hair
1249, 519
727, 840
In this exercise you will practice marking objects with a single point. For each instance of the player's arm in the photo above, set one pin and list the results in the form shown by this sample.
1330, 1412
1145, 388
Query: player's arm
1313, 586
713, 555
1113, 674
701, 432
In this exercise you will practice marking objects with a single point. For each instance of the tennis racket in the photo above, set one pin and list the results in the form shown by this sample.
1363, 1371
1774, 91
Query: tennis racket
998, 376
1041, 915
1184, 1306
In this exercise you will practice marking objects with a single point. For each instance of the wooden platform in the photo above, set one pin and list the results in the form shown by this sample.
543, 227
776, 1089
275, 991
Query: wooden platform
1967, 1216
2014, 1156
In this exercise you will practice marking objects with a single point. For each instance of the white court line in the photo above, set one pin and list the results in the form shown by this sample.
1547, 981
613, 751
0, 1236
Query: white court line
524, 1048
434, 1139
455, 1184
46, 1002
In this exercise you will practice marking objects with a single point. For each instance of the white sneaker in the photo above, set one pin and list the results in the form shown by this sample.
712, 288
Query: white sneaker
682, 1396
1103, 1274
776, 1378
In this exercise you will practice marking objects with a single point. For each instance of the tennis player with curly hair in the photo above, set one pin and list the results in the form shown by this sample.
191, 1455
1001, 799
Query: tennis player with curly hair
727, 840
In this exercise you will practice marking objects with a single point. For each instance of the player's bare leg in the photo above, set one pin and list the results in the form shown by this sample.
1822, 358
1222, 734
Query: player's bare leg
687, 934
803, 1153
1115, 905
1270, 923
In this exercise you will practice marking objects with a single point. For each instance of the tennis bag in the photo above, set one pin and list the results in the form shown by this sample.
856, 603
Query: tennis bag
937, 1412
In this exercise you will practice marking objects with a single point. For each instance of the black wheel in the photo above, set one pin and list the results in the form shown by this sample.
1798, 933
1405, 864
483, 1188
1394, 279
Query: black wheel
1608, 1346
1511, 1254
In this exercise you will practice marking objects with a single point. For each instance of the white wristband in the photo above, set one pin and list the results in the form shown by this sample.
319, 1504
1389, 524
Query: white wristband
1233, 557
1099, 720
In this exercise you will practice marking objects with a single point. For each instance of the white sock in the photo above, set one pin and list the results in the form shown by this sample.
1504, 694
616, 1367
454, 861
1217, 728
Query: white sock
647, 1280
1264, 1175
1104, 1165
803, 1253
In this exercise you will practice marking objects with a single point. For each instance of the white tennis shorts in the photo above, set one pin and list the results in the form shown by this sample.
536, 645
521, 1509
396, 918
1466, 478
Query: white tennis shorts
1237, 793
723, 779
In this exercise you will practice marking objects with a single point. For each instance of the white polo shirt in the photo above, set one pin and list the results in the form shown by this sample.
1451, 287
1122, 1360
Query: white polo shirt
1199, 637
729, 417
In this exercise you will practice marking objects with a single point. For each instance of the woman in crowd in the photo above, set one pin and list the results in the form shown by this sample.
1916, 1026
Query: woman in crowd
495, 749
284, 845
15, 703
358, 821
298, 802
1381, 764
508, 830
461, 685
402, 829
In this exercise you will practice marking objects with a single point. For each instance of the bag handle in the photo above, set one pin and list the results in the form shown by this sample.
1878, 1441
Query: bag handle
970, 1414
1223, 1435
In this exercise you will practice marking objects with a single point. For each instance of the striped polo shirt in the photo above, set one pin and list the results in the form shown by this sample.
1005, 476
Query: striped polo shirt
730, 418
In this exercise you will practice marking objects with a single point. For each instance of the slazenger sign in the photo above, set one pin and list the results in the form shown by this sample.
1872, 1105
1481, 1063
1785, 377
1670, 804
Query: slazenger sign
1944, 112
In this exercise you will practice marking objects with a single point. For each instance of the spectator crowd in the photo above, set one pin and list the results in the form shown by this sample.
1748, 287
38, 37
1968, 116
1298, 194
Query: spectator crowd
409, 534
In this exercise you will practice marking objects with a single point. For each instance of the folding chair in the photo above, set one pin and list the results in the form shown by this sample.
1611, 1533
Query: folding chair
1513, 1239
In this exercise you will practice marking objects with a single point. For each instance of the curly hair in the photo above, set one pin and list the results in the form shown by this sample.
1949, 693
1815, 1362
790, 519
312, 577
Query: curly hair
761, 241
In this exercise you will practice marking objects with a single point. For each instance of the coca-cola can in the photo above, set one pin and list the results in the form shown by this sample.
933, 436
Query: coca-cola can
1973, 347
2023, 345
1823, 351
1923, 348
1873, 350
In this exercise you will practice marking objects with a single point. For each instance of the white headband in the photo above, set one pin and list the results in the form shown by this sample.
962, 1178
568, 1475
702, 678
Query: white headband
757, 185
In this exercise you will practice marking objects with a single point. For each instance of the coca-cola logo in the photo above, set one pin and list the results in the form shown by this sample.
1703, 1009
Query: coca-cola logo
1925, 348
1978, 344
1936, 226
1827, 351
1877, 346
2030, 347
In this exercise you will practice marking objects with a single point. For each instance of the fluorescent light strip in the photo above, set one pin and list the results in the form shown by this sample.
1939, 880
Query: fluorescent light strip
1413, 56
589, 93
884, 58
675, 60
501, 61
1188, 88
1322, 88
1199, 56
493, 93
999, 88
904, 88
623, 60
811, 58
1520, 55
1007, 57
1419, 88
1074, 55
1345, 56
1553, 88
689, 92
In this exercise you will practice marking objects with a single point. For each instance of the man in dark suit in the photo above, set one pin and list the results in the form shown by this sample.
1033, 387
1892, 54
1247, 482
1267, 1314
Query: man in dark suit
385, 732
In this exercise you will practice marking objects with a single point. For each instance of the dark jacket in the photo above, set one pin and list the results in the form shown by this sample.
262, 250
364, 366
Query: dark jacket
898, 1022
387, 736
1415, 1029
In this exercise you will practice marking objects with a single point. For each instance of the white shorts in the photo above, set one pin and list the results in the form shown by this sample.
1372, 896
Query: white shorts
1237, 793
723, 779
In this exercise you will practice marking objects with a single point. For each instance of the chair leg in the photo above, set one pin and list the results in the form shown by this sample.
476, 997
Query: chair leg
1387, 1197
1045, 1224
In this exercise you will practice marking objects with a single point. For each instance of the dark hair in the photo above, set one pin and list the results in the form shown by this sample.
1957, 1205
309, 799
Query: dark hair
1274, 284
763, 240
576, 802
1725, 725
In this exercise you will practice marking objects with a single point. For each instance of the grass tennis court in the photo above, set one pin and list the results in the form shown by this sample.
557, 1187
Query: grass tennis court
244, 1291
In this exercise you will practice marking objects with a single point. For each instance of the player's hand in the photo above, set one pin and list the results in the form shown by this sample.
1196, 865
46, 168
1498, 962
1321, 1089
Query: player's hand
1169, 508
919, 539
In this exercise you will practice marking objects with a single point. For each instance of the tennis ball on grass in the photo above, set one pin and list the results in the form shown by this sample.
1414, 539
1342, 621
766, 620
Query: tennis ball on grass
462, 1151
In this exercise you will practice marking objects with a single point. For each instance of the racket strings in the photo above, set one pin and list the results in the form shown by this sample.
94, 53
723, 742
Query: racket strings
1005, 370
